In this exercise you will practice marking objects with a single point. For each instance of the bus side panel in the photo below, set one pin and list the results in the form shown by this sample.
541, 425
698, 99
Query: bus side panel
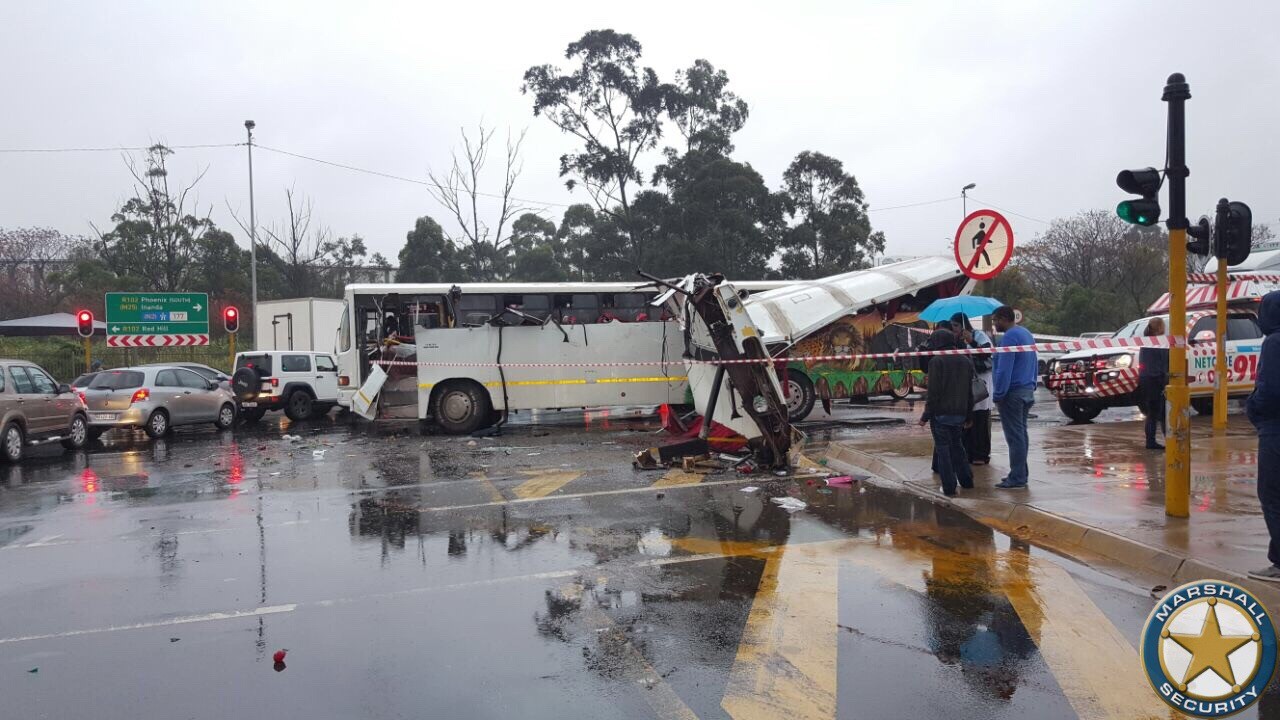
554, 383
456, 345
614, 382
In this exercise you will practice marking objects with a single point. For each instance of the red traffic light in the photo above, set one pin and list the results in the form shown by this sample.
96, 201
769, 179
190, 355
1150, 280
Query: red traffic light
231, 318
84, 323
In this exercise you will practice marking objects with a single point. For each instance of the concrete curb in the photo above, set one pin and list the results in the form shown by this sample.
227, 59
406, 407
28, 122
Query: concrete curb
1055, 531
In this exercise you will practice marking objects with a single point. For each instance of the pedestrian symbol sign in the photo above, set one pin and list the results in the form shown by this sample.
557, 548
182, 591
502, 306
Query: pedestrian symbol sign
984, 244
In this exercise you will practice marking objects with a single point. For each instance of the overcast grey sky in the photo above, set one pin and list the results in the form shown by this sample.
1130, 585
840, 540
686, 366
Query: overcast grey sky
1038, 103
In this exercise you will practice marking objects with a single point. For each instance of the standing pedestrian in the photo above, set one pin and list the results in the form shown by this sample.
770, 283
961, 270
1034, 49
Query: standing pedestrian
946, 410
1264, 413
977, 437
1153, 375
1014, 390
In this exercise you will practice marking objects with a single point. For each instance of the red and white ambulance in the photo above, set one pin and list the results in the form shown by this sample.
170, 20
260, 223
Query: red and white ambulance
1086, 382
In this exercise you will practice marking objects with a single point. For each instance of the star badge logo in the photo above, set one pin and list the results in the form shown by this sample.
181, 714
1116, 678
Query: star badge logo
1209, 649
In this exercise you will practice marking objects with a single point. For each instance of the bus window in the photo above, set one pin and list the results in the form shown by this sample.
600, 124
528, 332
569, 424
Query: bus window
428, 312
344, 329
634, 307
475, 310
538, 306
577, 309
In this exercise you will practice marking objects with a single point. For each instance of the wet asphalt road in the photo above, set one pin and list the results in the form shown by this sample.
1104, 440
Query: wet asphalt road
533, 575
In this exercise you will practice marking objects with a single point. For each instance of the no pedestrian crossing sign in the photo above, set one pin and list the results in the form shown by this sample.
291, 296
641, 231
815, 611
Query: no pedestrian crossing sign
159, 319
984, 244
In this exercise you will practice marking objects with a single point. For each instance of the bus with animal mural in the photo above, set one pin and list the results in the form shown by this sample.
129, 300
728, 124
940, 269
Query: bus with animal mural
872, 311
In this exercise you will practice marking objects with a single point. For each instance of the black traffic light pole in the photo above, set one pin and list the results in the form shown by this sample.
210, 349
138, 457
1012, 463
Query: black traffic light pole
1177, 454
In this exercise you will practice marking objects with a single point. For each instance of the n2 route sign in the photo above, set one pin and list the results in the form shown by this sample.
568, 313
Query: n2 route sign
159, 319
984, 244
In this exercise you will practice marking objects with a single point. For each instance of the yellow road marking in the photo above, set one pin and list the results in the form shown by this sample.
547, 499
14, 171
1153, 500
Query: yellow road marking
786, 662
678, 477
495, 495
1096, 667
577, 381
544, 482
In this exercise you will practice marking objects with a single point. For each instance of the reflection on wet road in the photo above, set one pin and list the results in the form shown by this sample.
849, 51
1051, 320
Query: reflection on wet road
533, 574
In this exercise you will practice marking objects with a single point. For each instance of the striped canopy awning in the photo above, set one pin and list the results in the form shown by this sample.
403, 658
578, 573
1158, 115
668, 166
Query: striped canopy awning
1206, 296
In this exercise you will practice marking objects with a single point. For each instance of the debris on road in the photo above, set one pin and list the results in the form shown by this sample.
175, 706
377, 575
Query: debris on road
840, 480
791, 504
292, 438
749, 489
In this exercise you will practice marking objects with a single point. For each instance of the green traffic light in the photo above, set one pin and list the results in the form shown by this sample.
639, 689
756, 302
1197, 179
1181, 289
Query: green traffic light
1139, 212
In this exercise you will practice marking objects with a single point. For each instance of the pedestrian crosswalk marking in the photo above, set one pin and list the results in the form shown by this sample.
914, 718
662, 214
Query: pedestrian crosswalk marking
786, 661
1096, 667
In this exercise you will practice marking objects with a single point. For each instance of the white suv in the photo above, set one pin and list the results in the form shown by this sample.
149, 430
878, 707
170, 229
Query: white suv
303, 384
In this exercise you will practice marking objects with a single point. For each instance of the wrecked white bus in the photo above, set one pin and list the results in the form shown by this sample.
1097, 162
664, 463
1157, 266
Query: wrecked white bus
790, 324
453, 352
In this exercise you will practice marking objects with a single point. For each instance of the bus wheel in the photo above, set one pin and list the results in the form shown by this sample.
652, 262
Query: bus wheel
800, 396
1203, 406
461, 407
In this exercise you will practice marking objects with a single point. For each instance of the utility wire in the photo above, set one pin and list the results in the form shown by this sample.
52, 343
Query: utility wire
117, 148
415, 181
911, 205
401, 178
1018, 214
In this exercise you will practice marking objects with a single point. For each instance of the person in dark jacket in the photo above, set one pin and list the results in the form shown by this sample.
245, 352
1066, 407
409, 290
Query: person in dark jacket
1264, 412
977, 436
947, 408
1153, 375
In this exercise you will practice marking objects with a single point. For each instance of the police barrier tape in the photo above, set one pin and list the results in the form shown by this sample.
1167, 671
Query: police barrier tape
1067, 346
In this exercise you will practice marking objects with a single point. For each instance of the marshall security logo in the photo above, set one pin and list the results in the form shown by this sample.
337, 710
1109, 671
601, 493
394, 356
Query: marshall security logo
1209, 649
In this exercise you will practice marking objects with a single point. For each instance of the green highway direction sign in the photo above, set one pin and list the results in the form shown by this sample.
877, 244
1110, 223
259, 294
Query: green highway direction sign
160, 319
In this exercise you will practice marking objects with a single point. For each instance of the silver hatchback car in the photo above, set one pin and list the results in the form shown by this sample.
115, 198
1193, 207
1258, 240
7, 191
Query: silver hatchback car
156, 398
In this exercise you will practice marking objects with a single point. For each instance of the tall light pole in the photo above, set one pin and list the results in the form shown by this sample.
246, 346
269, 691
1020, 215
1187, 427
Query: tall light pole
964, 197
253, 235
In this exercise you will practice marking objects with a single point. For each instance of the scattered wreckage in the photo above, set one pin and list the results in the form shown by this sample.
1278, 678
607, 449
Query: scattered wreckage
736, 344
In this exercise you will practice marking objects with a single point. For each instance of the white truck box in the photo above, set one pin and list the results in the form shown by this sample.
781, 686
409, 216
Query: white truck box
298, 324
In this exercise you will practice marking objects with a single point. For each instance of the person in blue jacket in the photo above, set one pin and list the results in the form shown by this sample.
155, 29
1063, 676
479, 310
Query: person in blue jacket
1264, 412
1013, 388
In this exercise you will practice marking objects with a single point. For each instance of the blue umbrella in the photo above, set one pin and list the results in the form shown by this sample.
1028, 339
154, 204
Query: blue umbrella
972, 305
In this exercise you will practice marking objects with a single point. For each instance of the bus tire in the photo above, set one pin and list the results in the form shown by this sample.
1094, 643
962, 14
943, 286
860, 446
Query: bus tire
1079, 411
800, 396
461, 407
1203, 405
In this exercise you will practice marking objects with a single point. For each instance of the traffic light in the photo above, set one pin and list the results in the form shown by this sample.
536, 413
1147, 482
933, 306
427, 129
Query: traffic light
231, 318
84, 323
1235, 232
1200, 234
1145, 182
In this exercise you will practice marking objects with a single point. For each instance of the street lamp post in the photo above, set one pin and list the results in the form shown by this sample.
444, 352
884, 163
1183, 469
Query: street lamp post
964, 197
253, 235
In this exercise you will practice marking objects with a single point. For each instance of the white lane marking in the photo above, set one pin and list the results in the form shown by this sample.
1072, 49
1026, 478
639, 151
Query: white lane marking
208, 617
150, 536
269, 610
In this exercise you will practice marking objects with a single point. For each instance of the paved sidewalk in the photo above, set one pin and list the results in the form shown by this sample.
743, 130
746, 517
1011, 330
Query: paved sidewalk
1095, 487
